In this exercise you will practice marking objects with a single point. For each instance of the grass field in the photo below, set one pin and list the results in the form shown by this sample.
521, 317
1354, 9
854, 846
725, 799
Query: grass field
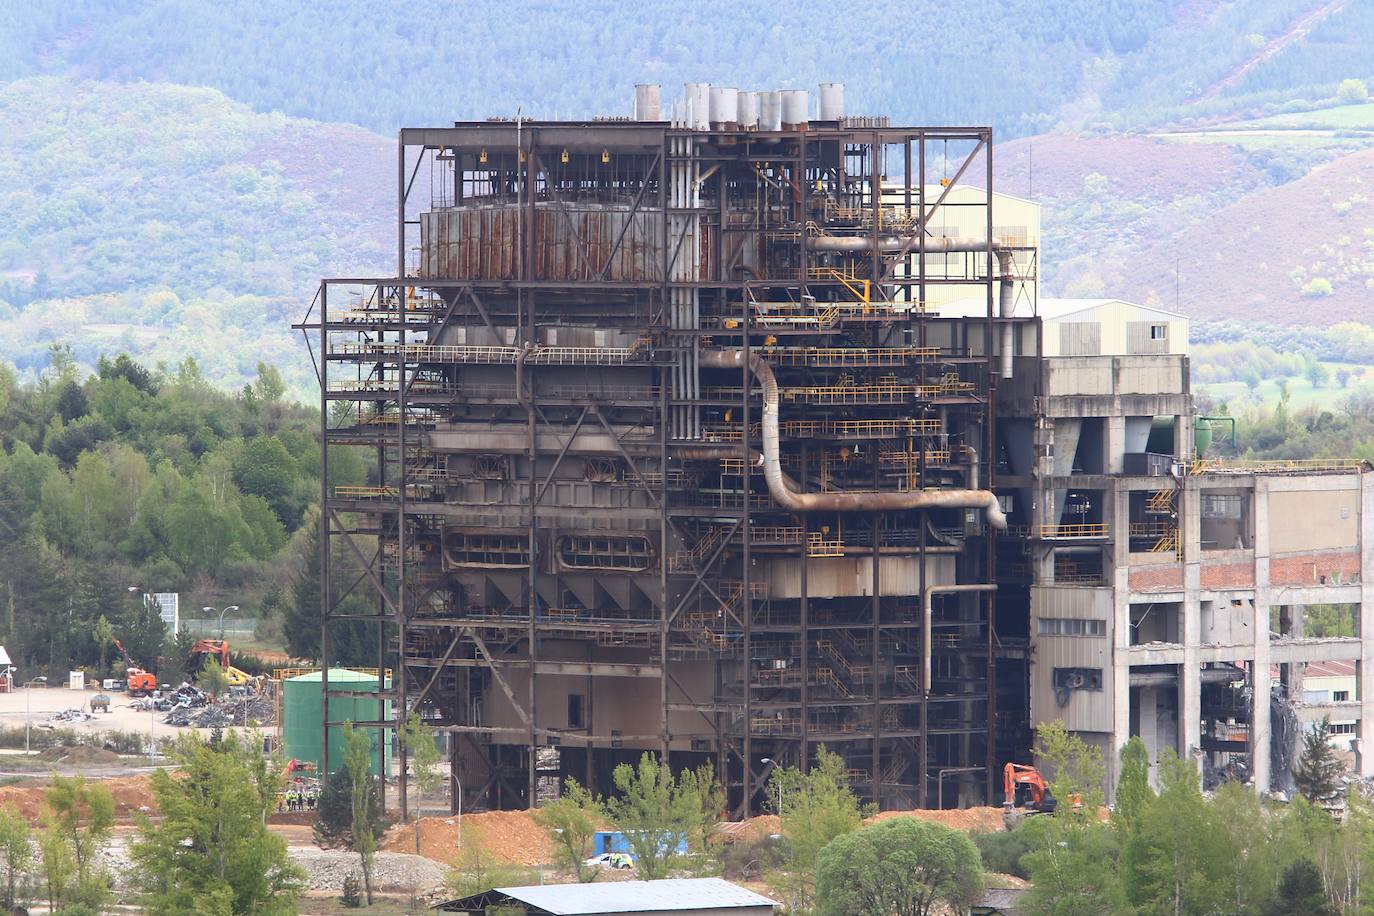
1330, 396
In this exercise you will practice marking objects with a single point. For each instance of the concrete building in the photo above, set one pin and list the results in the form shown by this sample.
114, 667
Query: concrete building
1163, 586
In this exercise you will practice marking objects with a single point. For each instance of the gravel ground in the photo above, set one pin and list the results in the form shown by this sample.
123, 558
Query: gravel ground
326, 869
393, 871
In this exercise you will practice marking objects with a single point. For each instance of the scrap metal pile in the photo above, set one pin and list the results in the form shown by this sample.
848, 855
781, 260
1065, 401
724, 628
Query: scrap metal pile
190, 707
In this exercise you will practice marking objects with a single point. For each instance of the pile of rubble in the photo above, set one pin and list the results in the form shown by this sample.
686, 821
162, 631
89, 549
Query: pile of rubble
206, 717
256, 709
189, 706
68, 715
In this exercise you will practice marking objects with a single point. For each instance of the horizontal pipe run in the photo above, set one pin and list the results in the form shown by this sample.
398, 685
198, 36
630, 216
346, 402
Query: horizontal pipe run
802, 503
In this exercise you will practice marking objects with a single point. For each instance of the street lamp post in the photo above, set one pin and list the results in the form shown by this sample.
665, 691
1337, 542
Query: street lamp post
227, 608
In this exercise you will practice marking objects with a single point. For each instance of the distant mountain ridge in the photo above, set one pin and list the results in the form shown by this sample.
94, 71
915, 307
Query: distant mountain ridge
167, 220
1023, 66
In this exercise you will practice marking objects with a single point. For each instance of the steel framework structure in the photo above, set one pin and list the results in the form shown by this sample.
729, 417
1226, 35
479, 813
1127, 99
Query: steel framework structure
579, 539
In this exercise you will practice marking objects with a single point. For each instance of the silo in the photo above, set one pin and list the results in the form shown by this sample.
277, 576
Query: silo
724, 108
697, 97
770, 110
647, 101
748, 110
302, 703
796, 104
832, 101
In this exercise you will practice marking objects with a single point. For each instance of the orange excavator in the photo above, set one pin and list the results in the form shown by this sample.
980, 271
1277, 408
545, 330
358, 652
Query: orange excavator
140, 683
1025, 792
218, 649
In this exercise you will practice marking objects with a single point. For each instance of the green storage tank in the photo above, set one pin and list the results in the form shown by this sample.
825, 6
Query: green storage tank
302, 703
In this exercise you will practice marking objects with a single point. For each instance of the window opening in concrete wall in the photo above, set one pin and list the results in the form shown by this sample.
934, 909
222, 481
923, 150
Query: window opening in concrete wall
1153, 519
1090, 458
575, 706
1078, 567
1225, 519
1314, 621
1158, 621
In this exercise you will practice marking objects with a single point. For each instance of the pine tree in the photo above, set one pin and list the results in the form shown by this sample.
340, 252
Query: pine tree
1318, 770
301, 625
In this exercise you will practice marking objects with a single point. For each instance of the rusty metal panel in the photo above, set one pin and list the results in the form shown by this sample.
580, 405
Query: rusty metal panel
571, 242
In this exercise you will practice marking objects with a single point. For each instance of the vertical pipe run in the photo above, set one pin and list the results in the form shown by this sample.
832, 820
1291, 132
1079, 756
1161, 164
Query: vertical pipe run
326, 654
399, 711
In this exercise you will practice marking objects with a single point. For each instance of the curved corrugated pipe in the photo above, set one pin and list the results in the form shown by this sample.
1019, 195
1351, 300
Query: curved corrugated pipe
793, 501
944, 244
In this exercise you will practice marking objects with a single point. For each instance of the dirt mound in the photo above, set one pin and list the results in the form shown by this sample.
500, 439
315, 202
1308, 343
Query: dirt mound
295, 818
132, 796
82, 754
506, 836
969, 820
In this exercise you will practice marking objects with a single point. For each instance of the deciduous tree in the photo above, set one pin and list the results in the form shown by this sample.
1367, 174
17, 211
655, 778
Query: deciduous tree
211, 851
904, 866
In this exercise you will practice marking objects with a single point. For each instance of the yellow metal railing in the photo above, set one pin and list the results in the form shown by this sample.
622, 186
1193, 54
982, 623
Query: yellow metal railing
1150, 529
823, 545
859, 428
848, 356
1073, 531
1285, 466
413, 491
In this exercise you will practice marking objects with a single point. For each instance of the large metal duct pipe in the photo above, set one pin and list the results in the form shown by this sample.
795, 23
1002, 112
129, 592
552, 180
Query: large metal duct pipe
648, 101
832, 101
945, 244
793, 501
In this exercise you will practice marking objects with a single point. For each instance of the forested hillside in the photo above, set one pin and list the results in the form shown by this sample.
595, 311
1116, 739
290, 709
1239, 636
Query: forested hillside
156, 480
172, 222
1170, 143
1022, 65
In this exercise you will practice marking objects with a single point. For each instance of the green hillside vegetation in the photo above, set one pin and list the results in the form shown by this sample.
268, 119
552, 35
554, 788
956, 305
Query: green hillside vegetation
1119, 63
171, 222
150, 479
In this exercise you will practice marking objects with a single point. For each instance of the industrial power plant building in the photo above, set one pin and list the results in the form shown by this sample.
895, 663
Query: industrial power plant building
732, 429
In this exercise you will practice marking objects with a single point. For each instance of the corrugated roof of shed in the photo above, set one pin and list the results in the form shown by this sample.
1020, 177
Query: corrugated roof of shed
636, 896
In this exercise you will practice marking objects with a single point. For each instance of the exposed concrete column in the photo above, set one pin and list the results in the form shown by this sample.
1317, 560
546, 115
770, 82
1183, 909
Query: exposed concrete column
1114, 448
1121, 631
1149, 727
1365, 683
1190, 687
1183, 438
1261, 682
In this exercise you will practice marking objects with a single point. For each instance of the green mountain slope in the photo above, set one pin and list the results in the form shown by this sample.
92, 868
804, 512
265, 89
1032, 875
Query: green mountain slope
169, 221
1021, 65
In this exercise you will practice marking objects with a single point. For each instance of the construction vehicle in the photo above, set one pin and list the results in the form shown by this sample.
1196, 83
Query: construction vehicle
100, 703
218, 649
1025, 792
140, 683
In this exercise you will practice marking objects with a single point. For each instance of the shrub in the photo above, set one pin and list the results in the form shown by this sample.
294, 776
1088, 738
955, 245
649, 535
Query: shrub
1317, 286
1002, 851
